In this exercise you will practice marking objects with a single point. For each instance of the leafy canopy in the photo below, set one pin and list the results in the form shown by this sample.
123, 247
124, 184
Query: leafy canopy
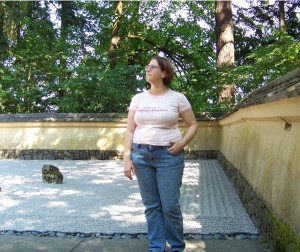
56, 56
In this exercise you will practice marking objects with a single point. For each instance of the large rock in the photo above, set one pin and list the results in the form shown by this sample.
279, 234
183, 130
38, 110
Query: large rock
51, 174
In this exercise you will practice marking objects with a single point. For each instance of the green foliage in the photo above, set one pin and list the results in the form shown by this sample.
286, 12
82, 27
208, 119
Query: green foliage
91, 89
284, 239
267, 63
24, 71
48, 68
256, 25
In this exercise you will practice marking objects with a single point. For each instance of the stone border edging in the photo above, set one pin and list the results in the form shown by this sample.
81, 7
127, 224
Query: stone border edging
254, 205
139, 236
52, 154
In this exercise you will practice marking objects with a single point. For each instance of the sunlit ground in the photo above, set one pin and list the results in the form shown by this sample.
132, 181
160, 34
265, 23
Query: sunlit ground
96, 197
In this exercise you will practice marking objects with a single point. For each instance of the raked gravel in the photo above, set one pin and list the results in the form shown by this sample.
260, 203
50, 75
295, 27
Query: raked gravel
96, 200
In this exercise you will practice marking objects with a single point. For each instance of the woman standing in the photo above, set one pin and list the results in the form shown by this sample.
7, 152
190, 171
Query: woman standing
154, 153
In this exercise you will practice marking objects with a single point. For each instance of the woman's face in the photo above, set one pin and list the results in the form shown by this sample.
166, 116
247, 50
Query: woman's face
153, 72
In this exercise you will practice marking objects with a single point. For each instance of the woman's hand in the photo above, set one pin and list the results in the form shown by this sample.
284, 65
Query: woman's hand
190, 121
128, 166
129, 170
176, 147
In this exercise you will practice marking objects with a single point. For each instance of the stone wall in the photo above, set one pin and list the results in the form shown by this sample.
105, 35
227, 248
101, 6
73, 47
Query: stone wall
48, 154
253, 203
60, 154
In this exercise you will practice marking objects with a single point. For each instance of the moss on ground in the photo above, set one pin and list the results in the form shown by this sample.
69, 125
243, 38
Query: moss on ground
284, 238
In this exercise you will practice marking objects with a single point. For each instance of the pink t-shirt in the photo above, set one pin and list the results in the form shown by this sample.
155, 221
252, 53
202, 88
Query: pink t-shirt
156, 117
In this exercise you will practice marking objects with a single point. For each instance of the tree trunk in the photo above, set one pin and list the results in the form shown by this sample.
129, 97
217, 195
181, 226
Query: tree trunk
225, 47
282, 16
65, 18
133, 56
115, 38
3, 38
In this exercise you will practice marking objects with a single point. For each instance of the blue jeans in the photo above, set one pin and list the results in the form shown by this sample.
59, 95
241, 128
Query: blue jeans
159, 174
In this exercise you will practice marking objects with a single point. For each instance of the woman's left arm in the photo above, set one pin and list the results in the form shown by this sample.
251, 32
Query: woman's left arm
189, 119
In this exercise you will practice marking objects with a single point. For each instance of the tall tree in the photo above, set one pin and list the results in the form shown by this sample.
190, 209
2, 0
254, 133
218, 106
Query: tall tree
282, 17
225, 47
24, 82
67, 19
3, 37
115, 38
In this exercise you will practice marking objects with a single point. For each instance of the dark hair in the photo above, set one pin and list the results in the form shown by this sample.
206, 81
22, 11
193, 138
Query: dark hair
166, 66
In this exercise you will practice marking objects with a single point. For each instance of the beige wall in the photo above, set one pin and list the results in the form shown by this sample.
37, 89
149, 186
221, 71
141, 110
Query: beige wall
258, 141
207, 137
87, 135
62, 135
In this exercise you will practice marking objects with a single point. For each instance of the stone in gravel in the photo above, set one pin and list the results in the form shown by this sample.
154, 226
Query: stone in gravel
240, 237
52, 234
198, 237
189, 237
142, 237
108, 237
60, 235
228, 237
126, 237
208, 237
218, 237
117, 236
10, 232
51, 174
254, 237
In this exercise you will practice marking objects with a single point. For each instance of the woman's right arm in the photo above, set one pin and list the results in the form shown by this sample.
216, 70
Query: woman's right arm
128, 166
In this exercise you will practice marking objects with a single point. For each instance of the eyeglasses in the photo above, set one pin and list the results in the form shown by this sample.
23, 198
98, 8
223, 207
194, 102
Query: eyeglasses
150, 67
